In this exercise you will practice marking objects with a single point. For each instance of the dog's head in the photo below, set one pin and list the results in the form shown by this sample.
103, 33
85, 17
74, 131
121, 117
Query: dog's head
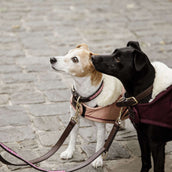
77, 62
123, 63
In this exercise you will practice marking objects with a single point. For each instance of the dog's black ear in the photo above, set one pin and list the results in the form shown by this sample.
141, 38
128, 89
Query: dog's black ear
140, 60
134, 44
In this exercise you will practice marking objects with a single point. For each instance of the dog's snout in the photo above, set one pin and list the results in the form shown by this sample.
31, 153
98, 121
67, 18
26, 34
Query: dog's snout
53, 60
96, 59
92, 58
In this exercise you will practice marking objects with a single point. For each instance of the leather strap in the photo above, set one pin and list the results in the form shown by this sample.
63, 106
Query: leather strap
132, 101
144, 94
105, 148
52, 151
82, 99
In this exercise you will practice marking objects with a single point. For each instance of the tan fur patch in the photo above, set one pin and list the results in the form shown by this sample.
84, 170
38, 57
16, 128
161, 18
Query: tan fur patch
83, 45
87, 68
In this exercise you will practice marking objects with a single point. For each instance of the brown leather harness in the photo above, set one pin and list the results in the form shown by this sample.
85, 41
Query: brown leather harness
65, 134
158, 112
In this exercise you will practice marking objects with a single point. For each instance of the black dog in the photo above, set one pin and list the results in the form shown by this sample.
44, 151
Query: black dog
133, 68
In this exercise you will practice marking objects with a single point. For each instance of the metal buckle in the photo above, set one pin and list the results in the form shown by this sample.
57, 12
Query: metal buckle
75, 117
104, 155
136, 102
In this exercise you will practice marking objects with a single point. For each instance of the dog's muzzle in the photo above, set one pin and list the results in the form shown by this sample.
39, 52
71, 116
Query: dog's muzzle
96, 59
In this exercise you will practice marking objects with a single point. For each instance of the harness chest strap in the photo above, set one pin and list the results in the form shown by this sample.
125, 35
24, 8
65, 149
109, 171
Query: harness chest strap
107, 114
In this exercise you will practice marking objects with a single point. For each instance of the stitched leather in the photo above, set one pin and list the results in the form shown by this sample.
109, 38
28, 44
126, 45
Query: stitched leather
71, 124
131, 101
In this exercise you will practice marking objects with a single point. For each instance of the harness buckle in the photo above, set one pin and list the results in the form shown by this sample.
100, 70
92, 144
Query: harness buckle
135, 101
77, 112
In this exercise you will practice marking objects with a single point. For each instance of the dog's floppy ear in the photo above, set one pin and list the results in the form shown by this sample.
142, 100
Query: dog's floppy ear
140, 60
85, 46
134, 44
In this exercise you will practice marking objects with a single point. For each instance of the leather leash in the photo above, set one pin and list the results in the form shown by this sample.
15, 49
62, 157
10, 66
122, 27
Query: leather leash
65, 134
104, 149
54, 149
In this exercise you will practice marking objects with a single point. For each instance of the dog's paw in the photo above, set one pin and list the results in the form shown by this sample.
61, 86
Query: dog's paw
67, 154
98, 162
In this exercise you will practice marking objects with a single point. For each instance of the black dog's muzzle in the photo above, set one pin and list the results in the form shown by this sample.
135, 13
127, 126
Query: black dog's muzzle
97, 59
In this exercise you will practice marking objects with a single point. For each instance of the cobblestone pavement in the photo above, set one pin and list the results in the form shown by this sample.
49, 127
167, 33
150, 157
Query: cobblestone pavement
34, 102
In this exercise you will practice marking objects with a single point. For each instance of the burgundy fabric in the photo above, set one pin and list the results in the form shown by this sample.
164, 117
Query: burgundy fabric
158, 112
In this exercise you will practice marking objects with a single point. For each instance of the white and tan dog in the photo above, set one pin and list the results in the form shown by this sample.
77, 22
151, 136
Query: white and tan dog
86, 80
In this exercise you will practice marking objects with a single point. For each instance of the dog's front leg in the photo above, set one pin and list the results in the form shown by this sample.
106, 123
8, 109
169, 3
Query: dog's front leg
144, 146
68, 153
157, 145
158, 153
100, 142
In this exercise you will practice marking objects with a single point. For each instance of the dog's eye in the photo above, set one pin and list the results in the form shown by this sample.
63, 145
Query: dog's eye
75, 59
117, 59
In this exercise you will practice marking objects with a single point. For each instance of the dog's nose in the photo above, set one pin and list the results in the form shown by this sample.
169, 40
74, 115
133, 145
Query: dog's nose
96, 58
92, 58
53, 60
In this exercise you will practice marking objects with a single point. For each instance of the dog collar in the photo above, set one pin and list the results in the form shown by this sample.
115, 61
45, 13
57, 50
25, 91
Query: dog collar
132, 101
82, 99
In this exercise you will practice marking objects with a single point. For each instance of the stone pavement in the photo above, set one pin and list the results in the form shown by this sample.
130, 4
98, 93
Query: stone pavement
34, 102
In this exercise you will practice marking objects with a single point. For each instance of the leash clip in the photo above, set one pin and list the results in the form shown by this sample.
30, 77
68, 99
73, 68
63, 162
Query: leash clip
119, 118
104, 155
75, 117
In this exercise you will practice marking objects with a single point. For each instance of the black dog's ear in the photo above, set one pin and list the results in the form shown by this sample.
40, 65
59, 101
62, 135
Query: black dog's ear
140, 60
134, 44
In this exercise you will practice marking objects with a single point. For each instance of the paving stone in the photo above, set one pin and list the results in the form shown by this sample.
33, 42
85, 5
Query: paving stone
116, 151
16, 87
9, 69
16, 52
50, 85
133, 147
87, 134
123, 164
49, 138
13, 134
4, 99
58, 95
48, 109
50, 76
27, 98
10, 117
18, 77
4, 169
49, 123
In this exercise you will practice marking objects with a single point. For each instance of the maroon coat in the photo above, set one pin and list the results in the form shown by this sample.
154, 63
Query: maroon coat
158, 112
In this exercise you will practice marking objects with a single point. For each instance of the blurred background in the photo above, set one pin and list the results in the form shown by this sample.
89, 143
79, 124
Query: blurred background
34, 102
